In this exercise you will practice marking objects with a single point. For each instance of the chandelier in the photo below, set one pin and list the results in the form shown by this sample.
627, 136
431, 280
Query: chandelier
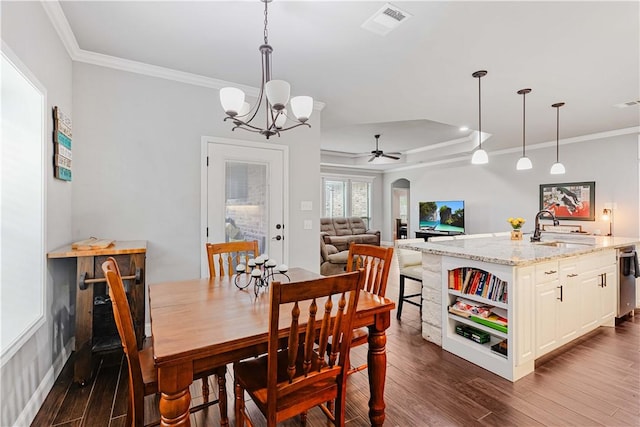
275, 94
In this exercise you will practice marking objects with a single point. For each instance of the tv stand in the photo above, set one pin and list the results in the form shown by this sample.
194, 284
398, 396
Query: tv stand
426, 233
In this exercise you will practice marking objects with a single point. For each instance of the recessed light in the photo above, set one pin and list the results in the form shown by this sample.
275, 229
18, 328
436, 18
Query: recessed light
464, 128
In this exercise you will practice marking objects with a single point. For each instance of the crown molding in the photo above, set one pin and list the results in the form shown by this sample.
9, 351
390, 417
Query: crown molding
62, 27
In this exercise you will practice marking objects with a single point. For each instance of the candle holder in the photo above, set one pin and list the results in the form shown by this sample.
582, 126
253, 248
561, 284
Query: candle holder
261, 272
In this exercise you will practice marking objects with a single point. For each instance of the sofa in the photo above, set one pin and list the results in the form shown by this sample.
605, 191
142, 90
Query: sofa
332, 261
340, 232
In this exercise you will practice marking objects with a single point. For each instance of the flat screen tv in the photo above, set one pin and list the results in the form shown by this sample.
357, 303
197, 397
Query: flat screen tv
442, 215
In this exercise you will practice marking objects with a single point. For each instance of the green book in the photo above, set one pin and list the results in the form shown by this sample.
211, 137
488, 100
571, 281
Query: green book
489, 323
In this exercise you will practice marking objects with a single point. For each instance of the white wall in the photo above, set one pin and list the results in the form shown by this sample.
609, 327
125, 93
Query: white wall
137, 154
27, 377
496, 191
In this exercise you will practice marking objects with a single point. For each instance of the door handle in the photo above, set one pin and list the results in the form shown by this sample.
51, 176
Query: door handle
278, 237
550, 272
560, 287
571, 275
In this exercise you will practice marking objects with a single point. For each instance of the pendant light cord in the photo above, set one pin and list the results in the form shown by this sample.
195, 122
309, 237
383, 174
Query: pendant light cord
479, 114
557, 134
523, 121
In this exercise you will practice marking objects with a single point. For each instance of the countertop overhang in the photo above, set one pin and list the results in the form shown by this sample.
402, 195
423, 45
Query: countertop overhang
503, 250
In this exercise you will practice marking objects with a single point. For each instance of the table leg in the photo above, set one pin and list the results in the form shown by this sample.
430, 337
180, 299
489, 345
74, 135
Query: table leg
175, 398
83, 367
377, 361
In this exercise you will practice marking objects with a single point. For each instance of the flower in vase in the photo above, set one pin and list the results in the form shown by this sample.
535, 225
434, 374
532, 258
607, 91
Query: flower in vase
516, 223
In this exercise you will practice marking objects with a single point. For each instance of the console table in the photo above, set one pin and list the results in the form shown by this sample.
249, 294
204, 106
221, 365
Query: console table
95, 327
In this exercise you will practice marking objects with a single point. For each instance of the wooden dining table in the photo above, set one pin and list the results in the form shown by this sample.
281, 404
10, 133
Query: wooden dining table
203, 323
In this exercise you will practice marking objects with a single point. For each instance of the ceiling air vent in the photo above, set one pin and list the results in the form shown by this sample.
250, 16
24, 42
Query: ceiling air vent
627, 104
385, 20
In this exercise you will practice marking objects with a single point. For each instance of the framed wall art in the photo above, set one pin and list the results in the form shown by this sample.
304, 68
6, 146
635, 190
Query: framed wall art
573, 201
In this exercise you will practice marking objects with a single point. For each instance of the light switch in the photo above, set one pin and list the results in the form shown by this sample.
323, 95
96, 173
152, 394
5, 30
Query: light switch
306, 205
308, 224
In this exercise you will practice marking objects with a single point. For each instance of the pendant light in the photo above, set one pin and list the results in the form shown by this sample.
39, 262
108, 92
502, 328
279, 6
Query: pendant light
479, 156
557, 168
524, 163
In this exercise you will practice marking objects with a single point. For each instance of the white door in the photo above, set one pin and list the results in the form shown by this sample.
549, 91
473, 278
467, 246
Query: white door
246, 197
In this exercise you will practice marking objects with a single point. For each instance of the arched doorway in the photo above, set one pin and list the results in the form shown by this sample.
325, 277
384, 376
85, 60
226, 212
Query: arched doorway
400, 190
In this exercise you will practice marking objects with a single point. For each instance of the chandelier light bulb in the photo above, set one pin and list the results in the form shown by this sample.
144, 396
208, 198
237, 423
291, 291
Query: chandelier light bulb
232, 100
277, 93
302, 107
281, 118
246, 107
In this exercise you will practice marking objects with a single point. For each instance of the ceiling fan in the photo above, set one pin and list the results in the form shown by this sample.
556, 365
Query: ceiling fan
379, 153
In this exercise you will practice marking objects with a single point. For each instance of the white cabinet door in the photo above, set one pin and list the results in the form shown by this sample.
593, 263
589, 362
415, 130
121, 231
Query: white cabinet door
568, 302
590, 291
608, 296
546, 299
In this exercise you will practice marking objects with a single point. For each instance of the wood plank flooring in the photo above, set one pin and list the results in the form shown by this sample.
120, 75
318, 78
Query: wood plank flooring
594, 382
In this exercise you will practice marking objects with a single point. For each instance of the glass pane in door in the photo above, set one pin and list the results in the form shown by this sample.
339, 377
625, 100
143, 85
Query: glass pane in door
335, 198
246, 202
360, 200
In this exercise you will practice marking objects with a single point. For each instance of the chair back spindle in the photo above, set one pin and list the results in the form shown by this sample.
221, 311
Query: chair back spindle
228, 255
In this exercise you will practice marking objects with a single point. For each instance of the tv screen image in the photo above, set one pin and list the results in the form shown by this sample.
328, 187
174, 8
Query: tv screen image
442, 215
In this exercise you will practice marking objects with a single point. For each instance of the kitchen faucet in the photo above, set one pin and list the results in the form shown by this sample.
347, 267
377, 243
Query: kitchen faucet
537, 232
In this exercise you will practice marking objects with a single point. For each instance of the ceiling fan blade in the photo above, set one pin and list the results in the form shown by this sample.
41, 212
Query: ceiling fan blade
390, 156
372, 157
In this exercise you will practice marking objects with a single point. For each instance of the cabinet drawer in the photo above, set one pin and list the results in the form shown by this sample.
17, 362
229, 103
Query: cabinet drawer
546, 272
597, 260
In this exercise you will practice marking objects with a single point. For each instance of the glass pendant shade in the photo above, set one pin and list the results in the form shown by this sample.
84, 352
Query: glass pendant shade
246, 107
557, 169
523, 164
277, 93
302, 107
232, 100
480, 157
281, 119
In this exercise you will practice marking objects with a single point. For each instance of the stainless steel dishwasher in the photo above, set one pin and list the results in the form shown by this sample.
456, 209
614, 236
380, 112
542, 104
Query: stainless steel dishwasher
628, 270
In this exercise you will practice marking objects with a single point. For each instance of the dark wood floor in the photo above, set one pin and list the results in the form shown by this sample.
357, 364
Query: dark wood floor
594, 382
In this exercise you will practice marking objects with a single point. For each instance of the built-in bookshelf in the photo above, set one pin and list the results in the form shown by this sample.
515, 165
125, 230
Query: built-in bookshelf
476, 313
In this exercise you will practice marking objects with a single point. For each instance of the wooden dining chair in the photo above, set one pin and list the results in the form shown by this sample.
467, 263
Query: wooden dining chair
229, 254
300, 374
143, 376
376, 263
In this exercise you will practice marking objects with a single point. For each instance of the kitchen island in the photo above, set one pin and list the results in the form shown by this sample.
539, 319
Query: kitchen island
548, 293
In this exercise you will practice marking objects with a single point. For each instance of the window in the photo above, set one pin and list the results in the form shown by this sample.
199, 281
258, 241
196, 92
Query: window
22, 166
347, 196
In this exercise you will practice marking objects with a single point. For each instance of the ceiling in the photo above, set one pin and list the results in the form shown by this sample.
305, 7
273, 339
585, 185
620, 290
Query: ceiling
412, 86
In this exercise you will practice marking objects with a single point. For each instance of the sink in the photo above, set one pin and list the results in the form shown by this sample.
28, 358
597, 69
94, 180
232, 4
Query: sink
557, 244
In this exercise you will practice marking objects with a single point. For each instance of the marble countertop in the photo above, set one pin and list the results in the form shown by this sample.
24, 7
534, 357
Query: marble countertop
503, 250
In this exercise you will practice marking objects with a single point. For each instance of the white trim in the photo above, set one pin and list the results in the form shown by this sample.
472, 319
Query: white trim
342, 177
62, 27
12, 348
38, 397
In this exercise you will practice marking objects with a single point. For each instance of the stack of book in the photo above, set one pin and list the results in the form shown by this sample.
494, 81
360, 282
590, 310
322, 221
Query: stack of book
478, 282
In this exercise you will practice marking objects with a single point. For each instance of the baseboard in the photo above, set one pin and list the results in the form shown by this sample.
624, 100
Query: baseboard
34, 404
